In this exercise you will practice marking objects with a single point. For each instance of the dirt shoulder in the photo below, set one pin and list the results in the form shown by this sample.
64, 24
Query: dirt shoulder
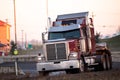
113, 74
100, 75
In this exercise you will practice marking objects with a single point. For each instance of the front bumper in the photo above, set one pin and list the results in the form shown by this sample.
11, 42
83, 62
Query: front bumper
56, 66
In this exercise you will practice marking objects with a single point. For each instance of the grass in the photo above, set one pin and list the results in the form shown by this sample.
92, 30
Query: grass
113, 43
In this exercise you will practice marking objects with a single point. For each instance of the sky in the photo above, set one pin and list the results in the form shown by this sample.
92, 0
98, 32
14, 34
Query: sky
31, 15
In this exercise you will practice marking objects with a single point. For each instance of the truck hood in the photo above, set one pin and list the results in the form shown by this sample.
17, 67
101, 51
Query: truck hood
56, 40
60, 40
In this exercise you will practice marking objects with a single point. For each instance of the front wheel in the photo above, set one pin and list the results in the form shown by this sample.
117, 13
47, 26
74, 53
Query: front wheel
72, 71
43, 74
82, 66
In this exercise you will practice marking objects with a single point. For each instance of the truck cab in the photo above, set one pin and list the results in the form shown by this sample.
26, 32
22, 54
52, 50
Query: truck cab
71, 46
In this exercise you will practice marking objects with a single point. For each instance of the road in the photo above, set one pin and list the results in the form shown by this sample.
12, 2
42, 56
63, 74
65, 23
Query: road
30, 67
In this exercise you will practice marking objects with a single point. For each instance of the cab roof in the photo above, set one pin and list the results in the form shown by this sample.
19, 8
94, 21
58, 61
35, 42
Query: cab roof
73, 15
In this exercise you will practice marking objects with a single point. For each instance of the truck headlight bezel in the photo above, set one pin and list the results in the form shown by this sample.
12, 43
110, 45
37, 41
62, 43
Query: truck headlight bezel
41, 58
73, 55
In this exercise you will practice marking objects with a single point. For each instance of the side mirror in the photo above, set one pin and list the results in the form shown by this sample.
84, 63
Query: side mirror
43, 36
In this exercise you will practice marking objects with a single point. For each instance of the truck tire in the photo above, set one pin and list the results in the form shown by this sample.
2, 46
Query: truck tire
41, 74
109, 62
72, 71
68, 71
82, 66
104, 62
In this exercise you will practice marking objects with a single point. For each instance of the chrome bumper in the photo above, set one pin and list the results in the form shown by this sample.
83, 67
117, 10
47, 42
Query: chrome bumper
56, 66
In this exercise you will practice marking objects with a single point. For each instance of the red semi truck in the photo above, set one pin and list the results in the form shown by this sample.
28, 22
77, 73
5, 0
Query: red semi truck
71, 46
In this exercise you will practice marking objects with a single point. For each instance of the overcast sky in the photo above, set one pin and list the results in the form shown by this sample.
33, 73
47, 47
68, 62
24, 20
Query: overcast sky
31, 14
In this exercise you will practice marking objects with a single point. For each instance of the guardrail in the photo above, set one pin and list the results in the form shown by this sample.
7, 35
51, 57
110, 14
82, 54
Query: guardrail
115, 52
10, 69
12, 58
18, 57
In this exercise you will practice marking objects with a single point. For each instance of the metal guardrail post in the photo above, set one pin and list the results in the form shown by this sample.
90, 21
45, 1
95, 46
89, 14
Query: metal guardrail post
16, 67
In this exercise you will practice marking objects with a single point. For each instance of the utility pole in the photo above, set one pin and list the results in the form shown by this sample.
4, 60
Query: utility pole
14, 3
26, 40
22, 37
16, 65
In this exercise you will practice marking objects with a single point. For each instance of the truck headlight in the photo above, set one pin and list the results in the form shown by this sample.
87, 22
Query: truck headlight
73, 55
41, 58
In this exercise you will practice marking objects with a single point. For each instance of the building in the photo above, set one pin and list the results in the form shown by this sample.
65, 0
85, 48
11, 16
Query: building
5, 36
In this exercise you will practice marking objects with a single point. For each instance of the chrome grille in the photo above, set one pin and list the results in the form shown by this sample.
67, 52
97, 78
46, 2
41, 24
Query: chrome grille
61, 51
56, 51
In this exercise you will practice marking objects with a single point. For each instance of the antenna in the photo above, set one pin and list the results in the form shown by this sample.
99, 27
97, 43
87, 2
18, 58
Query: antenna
93, 15
47, 12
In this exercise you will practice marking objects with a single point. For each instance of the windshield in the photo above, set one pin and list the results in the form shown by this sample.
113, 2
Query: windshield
65, 34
